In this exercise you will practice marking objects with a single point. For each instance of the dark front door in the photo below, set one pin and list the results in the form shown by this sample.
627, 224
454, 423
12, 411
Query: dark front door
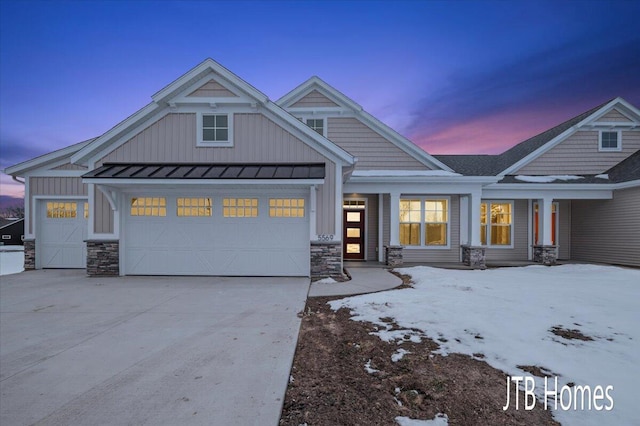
353, 238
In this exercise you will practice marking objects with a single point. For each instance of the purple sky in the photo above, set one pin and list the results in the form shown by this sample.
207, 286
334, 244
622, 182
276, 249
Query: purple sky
454, 77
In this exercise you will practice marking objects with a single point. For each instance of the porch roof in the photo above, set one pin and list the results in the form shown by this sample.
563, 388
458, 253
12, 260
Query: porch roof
208, 171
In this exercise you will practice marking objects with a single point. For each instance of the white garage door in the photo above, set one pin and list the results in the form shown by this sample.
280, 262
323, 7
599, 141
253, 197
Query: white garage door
61, 232
242, 234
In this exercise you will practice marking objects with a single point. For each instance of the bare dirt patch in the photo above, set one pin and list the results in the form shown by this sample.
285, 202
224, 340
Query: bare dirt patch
569, 334
329, 383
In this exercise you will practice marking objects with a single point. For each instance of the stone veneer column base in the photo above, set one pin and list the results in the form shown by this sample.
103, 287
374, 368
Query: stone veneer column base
393, 256
29, 255
103, 258
474, 257
326, 260
547, 255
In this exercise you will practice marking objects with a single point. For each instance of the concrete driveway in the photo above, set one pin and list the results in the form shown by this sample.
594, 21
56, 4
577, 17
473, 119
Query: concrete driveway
145, 350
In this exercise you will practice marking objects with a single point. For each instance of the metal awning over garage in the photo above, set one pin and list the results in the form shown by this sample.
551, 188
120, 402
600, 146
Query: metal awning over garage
202, 171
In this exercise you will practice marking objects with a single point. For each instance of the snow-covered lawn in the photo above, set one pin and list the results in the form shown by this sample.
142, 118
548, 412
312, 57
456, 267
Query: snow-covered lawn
508, 315
11, 259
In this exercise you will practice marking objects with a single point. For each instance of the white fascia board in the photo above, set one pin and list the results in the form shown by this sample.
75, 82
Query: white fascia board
55, 173
328, 146
85, 153
60, 155
316, 83
625, 185
441, 188
425, 180
555, 193
628, 110
119, 183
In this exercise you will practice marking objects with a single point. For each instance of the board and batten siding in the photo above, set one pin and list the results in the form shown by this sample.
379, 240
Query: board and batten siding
55, 186
314, 99
607, 231
519, 233
257, 139
373, 151
212, 89
579, 154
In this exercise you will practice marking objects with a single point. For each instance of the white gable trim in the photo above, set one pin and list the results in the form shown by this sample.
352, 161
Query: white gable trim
52, 159
561, 137
348, 106
163, 101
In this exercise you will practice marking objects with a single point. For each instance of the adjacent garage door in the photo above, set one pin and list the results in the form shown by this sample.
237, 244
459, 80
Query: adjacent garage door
62, 230
239, 233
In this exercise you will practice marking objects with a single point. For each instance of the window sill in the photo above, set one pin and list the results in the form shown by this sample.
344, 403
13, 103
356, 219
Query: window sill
448, 247
204, 144
610, 149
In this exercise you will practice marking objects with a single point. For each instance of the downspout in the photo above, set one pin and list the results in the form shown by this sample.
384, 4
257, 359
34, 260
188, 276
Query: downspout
15, 178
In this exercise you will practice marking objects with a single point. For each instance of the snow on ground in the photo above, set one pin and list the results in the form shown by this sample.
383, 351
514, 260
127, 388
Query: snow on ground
547, 179
326, 281
439, 420
11, 259
399, 354
506, 314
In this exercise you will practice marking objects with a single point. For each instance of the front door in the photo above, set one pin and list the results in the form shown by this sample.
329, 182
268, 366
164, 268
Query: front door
353, 238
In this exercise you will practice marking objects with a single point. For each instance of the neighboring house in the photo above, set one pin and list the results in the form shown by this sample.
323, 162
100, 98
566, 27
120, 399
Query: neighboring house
213, 178
11, 232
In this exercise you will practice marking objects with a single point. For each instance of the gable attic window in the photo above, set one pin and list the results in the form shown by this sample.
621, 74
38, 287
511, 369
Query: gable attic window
215, 129
610, 141
316, 124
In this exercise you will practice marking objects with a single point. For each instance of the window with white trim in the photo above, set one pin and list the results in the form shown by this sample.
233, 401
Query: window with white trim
316, 124
197, 207
149, 206
215, 129
240, 207
286, 207
424, 222
610, 140
496, 220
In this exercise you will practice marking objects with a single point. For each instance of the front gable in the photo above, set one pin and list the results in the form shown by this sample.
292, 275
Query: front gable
350, 127
202, 106
585, 148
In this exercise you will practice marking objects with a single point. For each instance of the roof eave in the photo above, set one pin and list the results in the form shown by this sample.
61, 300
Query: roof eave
21, 168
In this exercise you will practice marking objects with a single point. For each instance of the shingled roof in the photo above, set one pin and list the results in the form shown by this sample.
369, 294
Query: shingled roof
491, 165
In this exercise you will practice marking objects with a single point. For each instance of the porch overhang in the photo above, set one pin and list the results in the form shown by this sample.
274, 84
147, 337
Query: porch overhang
197, 174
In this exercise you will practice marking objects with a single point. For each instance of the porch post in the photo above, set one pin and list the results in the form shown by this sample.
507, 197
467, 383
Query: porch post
473, 254
380, 226
544, 251
393, 252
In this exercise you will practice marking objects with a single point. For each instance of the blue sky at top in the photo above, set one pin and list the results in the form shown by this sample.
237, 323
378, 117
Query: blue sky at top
454, 77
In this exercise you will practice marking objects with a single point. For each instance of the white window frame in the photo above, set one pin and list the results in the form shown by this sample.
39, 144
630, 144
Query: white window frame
605, 149
488, 231
199, 127
306, 121
423, 223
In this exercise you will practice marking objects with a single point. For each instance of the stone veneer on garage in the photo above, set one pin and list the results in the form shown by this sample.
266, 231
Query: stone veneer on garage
103, 258
326, 260
29, 254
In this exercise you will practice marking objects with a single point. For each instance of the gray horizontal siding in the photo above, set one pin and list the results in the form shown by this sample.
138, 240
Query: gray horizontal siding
614, 116
520, 230
579, 154
607, 231
212, 89
103, 219
373, 151
314, 99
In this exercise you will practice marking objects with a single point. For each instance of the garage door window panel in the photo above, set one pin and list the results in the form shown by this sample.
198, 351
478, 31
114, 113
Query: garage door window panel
286, 207
149, 206
61, 210
240, 207
195, 207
